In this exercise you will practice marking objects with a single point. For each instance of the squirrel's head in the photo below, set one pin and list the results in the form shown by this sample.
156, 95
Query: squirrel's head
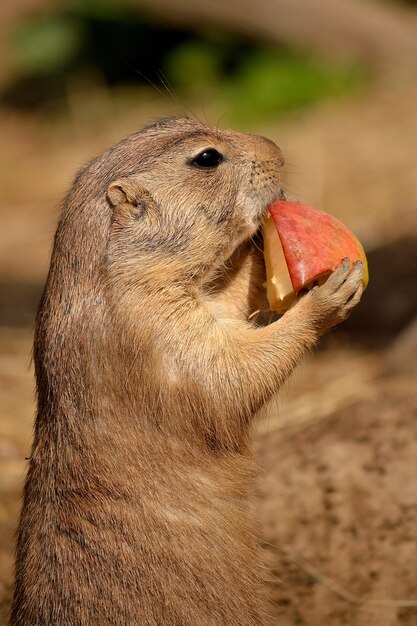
193, 196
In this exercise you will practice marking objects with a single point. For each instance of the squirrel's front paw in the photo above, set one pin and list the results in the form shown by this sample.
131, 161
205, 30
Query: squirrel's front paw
331, 303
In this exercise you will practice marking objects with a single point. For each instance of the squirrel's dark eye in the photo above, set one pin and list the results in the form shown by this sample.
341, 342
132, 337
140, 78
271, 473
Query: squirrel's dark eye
207, 158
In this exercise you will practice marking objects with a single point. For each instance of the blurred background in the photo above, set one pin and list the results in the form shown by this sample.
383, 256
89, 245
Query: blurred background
333, 82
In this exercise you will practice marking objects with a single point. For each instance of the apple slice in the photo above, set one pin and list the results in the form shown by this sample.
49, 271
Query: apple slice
302, 246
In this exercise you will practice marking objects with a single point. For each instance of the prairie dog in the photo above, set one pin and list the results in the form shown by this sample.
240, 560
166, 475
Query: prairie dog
138, 500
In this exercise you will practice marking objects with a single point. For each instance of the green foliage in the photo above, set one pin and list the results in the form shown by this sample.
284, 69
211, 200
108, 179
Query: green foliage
194, 65
254, 81
48, 44
113, 41
276, 81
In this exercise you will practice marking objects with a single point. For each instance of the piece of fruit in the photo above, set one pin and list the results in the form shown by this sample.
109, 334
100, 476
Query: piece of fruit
302, 246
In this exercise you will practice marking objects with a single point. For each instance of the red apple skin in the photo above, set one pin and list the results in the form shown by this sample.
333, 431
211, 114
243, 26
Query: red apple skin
314, 243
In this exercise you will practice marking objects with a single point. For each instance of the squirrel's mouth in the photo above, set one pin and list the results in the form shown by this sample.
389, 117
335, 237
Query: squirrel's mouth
250, 238
261, 215
254, 231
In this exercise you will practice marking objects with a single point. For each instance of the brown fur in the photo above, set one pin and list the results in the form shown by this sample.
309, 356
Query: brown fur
137, 505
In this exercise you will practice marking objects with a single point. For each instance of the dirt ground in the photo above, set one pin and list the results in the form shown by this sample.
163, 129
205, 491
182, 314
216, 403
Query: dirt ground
338, 501
338, 449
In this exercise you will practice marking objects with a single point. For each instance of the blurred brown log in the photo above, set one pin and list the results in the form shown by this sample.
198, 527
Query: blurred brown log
381, 34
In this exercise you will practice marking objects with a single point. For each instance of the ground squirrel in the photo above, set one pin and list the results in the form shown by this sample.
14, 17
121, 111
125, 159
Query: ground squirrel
138, 501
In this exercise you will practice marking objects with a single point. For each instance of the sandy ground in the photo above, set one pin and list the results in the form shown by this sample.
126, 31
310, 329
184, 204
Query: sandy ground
338, 504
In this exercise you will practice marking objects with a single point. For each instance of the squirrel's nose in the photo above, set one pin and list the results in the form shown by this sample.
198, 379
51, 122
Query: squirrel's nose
268, 150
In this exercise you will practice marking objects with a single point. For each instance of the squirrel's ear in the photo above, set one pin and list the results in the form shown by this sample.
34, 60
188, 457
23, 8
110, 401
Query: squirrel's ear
123, 191
126, 194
